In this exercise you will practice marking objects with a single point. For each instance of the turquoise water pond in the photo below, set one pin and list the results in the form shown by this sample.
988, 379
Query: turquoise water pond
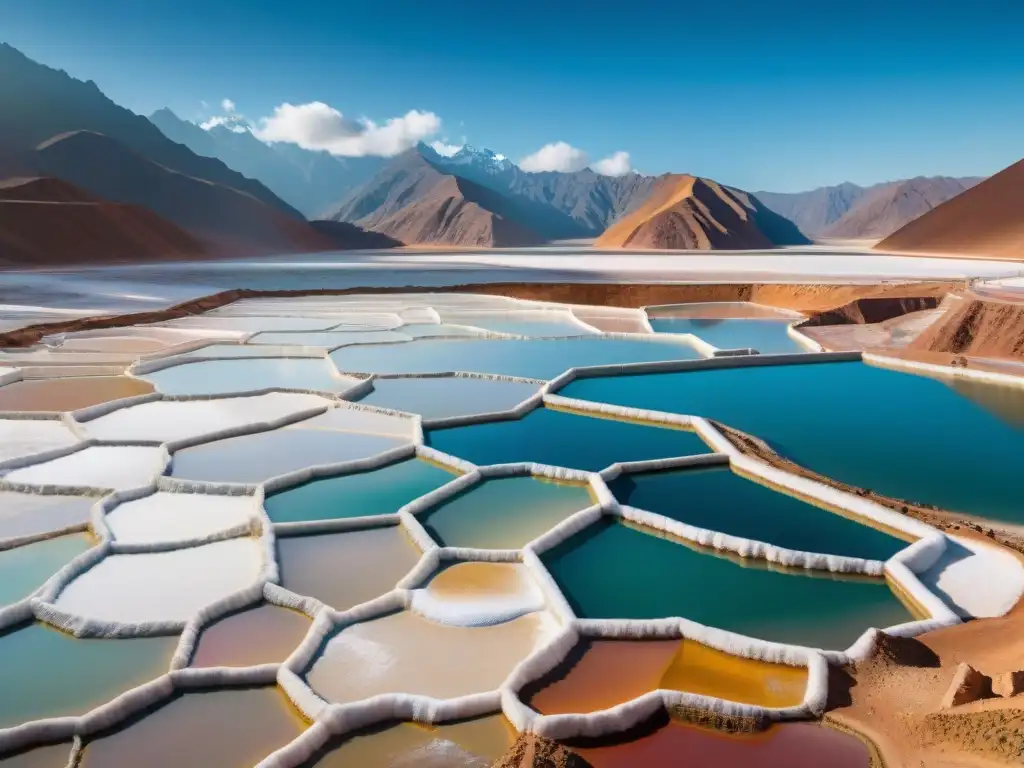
530, 358
615, 570
564, 439
377, 492
766, 336
505, 513
906, 436
258, 457
436, 398
24, 569
46, 673
423, 330
717, 499
214, 377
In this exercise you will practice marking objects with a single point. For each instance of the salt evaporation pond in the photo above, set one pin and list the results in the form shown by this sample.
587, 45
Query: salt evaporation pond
232, 728
360, 494
345, 569
504, 513
902, 435
328, 339
522, 324
790, 745
617, 570
769, 337
34, 514
24, 569
599, 674
25, 437
387, 655
717, 499
169, 517
265, 634
529, 358
218, 377
47, 673
473, 743
565, 439
422, 330
98, 466
444, 397
258, 457
70, 393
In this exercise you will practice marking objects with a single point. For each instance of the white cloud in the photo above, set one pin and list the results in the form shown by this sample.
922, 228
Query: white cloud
445, 150
555, 157
319, 126
615, 165
228, 106
233, 123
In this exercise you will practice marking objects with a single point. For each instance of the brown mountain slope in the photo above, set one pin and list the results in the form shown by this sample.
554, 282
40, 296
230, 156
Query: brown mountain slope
47, 221
886, 208
986, 220
453, 212
687, 212
978, 327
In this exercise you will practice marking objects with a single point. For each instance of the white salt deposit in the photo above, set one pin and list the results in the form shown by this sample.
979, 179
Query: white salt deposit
163, 586
98, 466
32, 514
164, 517
25, 437
967, 564
166, 420
365, 420
471, 595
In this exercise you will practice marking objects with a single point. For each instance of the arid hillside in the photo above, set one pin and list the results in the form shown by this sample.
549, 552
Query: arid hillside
687, 212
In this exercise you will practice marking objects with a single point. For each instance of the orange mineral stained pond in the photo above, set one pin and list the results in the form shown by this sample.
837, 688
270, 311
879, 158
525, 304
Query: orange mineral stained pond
792, 745
265, 634
69, 394
474, 581
230, 728
467, 744
599, 674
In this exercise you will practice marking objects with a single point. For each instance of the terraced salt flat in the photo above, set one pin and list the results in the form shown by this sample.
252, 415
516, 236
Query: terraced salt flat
259, 551
69, 394
221, 377
450, 396
766, 336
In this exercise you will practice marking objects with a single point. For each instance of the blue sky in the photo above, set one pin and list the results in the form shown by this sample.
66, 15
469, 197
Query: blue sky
783, 95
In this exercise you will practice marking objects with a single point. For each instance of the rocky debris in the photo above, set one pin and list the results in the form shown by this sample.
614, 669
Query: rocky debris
968, 685
532, 751
1007, 684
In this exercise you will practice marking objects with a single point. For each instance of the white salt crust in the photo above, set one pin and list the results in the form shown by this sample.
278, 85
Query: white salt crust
90, 465
21, 436
972, 374
922, 557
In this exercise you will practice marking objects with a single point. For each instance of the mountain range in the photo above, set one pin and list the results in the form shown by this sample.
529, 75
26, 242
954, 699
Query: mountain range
848, 211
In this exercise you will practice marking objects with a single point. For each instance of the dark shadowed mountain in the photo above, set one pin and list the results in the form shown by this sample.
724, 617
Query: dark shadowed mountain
687, 212
39, 103
852, 212
985, 220
416, 202
561, 205
311, 181
46, 222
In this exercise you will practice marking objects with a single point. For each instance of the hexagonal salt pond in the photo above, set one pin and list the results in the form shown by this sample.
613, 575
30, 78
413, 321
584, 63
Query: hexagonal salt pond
715, 498
444, 397
25, 437
473, 743
405, 653
564, 439
265, 634
601, 673
617, 570
49, 756
769, 337
69, 393
24, 569
346, 569
47, 673
114, 467
260, 456
374, 492
223, 728
163, 586
478, 593
166, 420
530, 358
219, 377
33, 514
328, 339
169, 517
504, 513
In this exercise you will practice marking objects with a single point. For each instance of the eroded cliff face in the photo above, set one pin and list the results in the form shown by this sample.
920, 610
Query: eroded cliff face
977, 327
532, 751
